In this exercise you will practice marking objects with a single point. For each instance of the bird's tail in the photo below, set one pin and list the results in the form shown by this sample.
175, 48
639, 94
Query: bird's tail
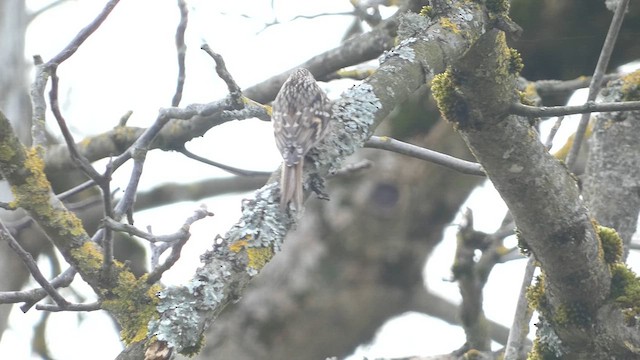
291, 185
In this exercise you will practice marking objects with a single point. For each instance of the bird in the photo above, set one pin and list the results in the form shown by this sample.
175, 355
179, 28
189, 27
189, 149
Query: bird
301, 114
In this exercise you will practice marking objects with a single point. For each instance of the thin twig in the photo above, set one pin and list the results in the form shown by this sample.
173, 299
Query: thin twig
352, 168
43, 72
107, 238
181, 49
387, 143
76, 189
520, 327
551, 87
552, 133
80, 160
275, 21
70, 307
586, 108
83, 35
223, 73
30, 263
596, 80
227, 168
176, 249
31, 297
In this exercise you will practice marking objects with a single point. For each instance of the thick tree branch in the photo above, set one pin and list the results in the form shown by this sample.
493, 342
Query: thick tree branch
598, 74
542, 195
613, 167
242, 252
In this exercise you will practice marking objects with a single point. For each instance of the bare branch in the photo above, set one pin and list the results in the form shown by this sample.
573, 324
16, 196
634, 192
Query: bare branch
227, 168
31, 297
70, 307
176, 248
82, 36
350, 169
588, 108
170, 193
43, 71
387, 143
596, 80
520, 326
552, 133
351, 52
181, 49
80, 160
550, 87
275, 21
221, 69
30, 263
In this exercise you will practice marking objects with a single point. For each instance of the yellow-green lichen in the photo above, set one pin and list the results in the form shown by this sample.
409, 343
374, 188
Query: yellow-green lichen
33, 194
426, 11
447, 97
266, 108
129, 299
535, 293
611, 244
625, 291
631, 86
473, 354
88, 258
259, 256
133, 303
446, 23
530, 91
515, 62
237, 246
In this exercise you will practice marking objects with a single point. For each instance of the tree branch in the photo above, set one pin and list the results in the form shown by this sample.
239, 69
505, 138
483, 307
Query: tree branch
587, 108
387, 143
596, 80
242, 252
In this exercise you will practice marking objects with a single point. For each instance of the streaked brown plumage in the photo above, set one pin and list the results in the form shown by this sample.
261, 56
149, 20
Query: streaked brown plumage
301, 114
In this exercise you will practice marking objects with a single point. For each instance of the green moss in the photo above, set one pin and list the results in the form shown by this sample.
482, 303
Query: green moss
522, 244
473, 354
449, 101
625, 291
611, 244
426, 11
541, 351
572, 314
535, 294
6, 152
515, 62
